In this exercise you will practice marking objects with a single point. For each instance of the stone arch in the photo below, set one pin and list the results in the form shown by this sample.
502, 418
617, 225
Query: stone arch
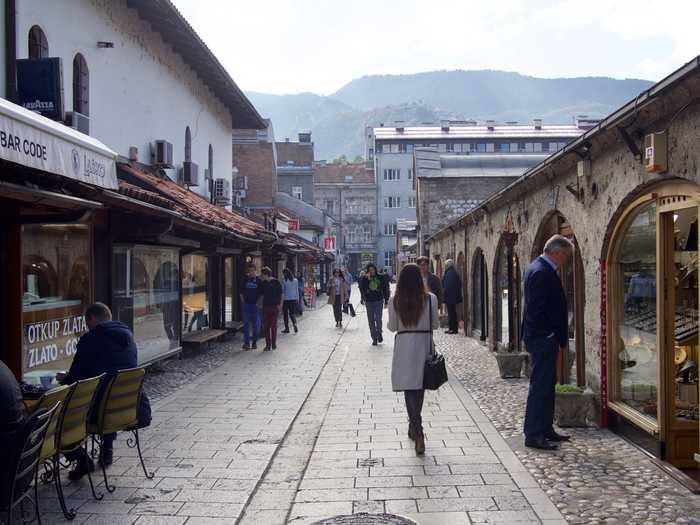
479, 296
506, 295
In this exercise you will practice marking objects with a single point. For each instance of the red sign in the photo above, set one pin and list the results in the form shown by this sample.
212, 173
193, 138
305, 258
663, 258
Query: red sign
329, 244
293, 224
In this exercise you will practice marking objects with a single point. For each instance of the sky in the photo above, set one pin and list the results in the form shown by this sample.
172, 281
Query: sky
292, 46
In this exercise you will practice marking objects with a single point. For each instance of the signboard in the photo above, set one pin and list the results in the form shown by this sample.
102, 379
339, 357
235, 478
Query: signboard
329, 244
293, 225
40, 86
281, 225
32, 141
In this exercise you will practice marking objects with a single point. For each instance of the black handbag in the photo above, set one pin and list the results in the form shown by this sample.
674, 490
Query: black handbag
434, 370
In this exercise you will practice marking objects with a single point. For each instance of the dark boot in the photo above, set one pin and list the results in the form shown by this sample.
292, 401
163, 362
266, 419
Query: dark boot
420, 444
82, 466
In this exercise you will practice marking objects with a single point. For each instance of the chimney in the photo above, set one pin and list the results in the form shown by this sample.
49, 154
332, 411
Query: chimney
445, 126
133, 153
490, 124
286, 139
305, 138
538, 123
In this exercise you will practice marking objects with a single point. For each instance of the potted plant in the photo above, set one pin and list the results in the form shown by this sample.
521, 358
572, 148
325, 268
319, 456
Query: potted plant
573, 406
510, 364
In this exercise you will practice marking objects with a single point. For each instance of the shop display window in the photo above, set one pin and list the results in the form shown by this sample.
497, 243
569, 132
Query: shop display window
637, 352
195, 296
57, 287
146, 297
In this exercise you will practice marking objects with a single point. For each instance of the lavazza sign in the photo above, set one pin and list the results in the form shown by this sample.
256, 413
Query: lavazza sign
40, 146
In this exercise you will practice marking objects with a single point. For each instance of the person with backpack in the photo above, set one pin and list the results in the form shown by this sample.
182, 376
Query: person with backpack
374, 290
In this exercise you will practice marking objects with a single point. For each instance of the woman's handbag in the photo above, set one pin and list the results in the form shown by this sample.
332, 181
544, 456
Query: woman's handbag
434, 370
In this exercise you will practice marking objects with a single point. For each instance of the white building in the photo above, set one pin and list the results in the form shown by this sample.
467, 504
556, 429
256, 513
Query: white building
138, 73
390, 148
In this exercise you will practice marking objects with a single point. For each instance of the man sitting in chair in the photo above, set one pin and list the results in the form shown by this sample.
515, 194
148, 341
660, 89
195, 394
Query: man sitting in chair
106, 348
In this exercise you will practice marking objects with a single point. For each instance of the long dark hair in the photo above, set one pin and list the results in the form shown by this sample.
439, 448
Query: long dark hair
288, 276
409, 299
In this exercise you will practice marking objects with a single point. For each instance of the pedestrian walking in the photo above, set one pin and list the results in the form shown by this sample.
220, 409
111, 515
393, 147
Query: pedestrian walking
337, 295
347, 305
413, 315
545, 332
272, 301
251, 291
452, 295
290, 286
374, 292
430, 280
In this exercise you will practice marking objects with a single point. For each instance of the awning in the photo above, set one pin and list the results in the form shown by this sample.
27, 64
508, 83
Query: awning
31, 140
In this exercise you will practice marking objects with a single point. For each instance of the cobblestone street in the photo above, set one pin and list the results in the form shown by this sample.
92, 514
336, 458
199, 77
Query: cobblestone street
313, 431
598, 477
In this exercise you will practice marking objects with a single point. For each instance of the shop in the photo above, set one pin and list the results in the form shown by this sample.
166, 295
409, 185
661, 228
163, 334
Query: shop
652, 277
47, 239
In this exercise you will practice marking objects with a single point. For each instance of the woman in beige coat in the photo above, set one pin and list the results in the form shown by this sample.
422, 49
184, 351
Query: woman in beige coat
410, 313
338, 293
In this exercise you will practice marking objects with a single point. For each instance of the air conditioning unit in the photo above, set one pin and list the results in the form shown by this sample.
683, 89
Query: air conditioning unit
241, 182
78, 121
241, 193
222, 192
162, 154
189, 174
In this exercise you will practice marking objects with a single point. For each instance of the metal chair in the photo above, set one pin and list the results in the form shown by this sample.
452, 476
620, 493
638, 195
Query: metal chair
72, 433
118, 412
24, 464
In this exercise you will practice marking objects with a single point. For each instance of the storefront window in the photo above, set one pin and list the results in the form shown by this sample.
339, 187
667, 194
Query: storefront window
502, 290
637, 352
145, 296
195, 298
231, 306
56, 270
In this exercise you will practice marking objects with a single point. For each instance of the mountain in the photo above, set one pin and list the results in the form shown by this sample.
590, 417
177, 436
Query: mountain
337, 121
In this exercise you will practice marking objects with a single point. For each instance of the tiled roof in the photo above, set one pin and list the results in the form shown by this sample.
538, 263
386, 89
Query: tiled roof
145, 185
343, 174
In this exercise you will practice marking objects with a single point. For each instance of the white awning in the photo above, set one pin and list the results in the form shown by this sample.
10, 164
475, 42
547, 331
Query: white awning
29, 139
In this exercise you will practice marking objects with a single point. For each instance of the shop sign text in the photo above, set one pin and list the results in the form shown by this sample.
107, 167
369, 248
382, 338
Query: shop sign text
52, 340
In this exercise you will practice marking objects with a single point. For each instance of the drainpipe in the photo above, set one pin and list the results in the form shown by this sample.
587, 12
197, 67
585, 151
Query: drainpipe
10, 50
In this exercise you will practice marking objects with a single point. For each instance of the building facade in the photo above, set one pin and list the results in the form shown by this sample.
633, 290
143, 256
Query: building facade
129, 85
391, 150
295, 168
348, 193
627, 193
254, 159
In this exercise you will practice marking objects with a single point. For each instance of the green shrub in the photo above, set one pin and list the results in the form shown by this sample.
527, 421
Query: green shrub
569, 388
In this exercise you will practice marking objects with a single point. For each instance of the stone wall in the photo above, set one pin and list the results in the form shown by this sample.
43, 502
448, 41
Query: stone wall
617, 179
257, 162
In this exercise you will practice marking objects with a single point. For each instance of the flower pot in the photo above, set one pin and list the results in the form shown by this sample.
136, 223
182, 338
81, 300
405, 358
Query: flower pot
510, 364
573, 409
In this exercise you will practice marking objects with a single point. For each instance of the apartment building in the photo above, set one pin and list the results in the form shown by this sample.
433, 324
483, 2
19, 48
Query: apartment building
390, 149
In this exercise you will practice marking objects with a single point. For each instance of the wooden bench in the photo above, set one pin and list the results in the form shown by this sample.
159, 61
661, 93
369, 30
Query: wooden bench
202, 337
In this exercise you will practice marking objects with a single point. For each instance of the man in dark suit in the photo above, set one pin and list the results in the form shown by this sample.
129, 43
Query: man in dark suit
545, 331
431, 281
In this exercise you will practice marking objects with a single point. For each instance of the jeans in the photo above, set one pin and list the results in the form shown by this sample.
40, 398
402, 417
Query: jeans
374, 318
250, 323
414, 407
539, 412
289, 309
270, 315
338, 310
452, 323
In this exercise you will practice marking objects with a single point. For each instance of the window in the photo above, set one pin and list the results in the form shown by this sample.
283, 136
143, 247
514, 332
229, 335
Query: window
188, 144
402, 148
81, 85
410, 173
514, 147
56, 273
411, 202
38, 45
391, 174
146, 297
466, 148
529, 147
390, 228
389, 259
330, 206
490, 148
297, 192
553, 147
504, 148
195, 297
538, 147
481, 148
457, 148
450, 147
394, 148
392, 202
409, 148
442, 148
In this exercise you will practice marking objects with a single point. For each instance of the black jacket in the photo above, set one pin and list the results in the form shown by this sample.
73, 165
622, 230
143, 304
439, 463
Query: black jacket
435, 287
272, 292
451, 286
106, 349
545, 311
377, 291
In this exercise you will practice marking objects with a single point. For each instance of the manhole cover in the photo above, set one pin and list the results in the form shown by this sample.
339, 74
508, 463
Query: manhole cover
364, 518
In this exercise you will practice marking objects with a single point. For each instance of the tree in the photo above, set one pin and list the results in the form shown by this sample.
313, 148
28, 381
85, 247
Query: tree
340, 160
359, 159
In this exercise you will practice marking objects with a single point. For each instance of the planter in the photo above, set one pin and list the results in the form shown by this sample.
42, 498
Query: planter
510, 364
573, 409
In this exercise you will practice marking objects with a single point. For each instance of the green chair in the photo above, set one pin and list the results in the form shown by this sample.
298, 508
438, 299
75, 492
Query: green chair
72, 433
118, 412
48, 451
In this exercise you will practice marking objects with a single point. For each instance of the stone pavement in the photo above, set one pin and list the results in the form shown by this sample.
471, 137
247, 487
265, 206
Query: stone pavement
596, 478
312, 431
